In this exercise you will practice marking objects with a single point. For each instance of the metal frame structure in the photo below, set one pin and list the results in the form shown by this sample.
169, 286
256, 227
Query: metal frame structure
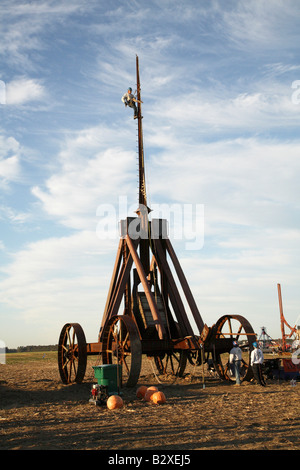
154, 321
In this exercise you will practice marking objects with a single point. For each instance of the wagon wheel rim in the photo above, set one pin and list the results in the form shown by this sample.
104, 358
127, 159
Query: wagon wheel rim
122, 345
72, 353
234, 327
171, 363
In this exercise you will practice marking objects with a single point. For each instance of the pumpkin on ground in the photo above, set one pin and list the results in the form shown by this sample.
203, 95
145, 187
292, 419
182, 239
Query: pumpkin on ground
149, 392
158, 398
141, 391
114, 402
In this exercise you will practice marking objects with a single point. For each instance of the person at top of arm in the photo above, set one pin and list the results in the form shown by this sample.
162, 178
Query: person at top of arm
130, 100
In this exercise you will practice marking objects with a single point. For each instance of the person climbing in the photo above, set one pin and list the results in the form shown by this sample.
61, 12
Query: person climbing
130, 100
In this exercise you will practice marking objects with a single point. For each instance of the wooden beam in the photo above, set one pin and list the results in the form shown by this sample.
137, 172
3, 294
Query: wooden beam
113, 280
185, 286
175, 298
142, 275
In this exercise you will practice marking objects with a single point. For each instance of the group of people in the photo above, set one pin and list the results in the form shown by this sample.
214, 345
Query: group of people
256, 361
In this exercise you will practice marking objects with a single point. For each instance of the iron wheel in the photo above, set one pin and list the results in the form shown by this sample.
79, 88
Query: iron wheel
72, 353
122, 345
230, 328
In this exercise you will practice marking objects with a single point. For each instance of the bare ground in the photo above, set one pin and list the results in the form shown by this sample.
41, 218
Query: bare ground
38, 412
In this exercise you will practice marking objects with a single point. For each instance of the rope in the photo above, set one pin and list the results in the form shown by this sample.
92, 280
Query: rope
153, 370
159, 381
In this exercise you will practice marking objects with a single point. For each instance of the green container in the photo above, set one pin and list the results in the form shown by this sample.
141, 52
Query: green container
107, 375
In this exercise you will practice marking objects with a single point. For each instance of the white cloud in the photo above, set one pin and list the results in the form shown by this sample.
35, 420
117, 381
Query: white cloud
237, 171
23, 24
92, 170
279, 68
9, 159
23, 90
40, 8
270, 107
9, 168
13, 216
56, 280
53, 257
263, 25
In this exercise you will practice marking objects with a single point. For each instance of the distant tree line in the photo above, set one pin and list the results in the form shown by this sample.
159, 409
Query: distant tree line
32, 348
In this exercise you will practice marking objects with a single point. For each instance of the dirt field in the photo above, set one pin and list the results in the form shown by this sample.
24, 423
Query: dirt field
38, 412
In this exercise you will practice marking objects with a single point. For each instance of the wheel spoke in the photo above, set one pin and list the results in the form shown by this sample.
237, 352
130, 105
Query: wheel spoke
239, 331
230, 326
126, 366
173, 363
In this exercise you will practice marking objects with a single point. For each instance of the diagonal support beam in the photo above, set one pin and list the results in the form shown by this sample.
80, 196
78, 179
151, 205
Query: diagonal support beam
185, 287
122, 281
175, 298
113, 281
119, 290
142, 275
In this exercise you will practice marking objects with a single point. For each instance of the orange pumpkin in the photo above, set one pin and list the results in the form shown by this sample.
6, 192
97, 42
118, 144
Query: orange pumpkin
141, 391
158, 398
114, 402
149, 392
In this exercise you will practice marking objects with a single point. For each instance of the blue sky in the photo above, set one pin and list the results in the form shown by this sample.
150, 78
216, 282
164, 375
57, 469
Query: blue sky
221, 107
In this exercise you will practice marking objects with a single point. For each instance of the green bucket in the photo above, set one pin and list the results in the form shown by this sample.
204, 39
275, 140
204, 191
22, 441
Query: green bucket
107, 375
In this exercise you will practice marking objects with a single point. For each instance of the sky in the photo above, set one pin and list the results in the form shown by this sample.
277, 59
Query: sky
220, 84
